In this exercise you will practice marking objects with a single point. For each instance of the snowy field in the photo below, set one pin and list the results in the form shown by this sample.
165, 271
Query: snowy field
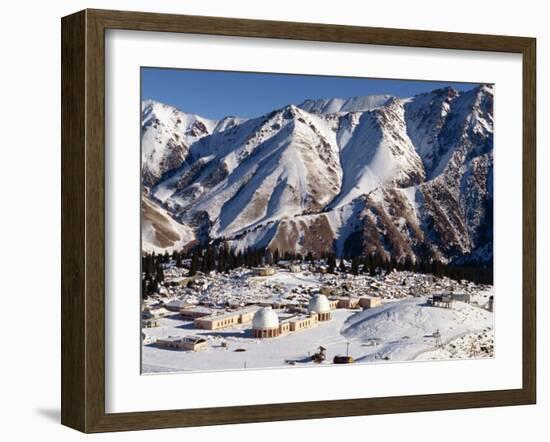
403, 328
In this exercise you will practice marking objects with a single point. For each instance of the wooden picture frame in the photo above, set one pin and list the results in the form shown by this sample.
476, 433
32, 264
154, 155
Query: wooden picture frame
83, 220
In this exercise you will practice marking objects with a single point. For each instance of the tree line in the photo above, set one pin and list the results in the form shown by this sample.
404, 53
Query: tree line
223, 259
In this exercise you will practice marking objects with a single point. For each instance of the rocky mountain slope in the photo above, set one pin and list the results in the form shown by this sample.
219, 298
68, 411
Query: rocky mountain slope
403, 177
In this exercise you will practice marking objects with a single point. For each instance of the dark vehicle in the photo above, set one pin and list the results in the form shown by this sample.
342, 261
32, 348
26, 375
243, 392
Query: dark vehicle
343, 360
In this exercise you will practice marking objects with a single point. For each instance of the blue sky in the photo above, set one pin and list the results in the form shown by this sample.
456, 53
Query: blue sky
216, 94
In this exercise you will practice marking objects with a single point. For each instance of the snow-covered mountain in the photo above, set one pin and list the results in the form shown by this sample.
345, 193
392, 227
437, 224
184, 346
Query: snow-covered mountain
403, 177
166, 135
326, 106
379, 153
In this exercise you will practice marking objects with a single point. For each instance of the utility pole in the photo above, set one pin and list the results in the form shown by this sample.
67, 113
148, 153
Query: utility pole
347, 348
438, 342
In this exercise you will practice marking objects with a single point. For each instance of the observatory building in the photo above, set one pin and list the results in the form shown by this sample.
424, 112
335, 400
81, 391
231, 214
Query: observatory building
320, 305
265, 323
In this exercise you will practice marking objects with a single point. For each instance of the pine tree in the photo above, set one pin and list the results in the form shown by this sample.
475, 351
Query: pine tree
144, 293
153, 286
269, 257
245, 258
221, 262
239, 260
393, 264
231, 260
331, 263
226, 257
205, 262
160, 272
355, 265
342, 266
436, 268
408, 265
257, 256
369, 266
194, 265
147, 265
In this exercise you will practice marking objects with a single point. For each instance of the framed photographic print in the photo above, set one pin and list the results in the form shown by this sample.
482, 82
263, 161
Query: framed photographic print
267, 221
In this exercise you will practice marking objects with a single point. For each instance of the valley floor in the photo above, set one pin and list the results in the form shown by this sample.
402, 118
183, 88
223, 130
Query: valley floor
403, 328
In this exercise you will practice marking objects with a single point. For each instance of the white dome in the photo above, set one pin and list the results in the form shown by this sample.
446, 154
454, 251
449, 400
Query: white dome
265, 318
319, 304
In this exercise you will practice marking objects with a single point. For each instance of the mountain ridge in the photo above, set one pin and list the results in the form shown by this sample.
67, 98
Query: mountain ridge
406, 178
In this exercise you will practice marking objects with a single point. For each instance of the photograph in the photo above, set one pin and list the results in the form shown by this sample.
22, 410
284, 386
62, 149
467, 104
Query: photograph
251, 221
302, 220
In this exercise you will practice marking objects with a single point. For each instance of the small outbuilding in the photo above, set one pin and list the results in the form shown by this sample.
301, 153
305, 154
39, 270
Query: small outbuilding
350, 302
194, 312
369, 302
175, 305
442, 300
191, 343
148, 319
461, 297
264, 271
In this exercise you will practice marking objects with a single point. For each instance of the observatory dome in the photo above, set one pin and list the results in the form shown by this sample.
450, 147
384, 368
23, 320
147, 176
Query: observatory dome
319, 304
265, 318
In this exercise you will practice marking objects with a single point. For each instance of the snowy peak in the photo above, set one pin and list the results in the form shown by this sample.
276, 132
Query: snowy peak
443, 121
166, 136
324, 106
279, 165
426, 114
228, 123
379, 153
191, 125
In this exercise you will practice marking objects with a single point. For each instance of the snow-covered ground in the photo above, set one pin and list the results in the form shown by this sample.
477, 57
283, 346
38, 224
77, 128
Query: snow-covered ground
259, 353
403, 328
478, 344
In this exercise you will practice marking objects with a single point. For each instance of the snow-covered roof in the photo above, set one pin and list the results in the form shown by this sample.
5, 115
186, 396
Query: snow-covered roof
193, 339
175, 303
265, 318
197, 308
319, 304
170, 339
146, 313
